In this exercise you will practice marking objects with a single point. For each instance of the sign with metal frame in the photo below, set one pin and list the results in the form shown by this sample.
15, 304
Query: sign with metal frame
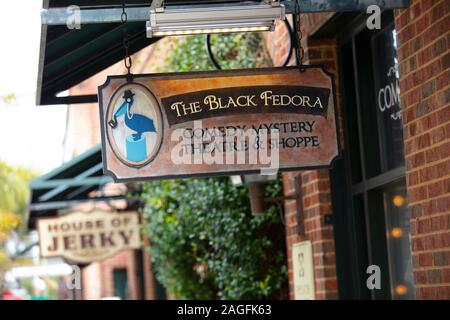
218, 123
87, 237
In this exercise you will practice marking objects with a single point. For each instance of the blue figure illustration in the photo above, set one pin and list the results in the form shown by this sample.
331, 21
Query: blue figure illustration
136, 143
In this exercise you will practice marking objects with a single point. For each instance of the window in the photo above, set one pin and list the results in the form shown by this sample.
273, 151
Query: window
374, 159
120, 283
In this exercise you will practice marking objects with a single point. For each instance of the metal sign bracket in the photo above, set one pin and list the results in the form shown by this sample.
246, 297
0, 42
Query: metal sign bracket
60, 16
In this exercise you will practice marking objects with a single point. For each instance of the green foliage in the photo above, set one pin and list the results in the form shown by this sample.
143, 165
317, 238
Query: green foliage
205, 244
14, 189
14, 193
232, 51
8, 99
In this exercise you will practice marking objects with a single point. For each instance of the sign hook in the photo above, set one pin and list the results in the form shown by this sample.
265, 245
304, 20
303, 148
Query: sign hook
299, 52
126, 44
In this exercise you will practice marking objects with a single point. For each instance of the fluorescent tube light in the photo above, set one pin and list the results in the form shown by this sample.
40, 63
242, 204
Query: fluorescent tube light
168, 21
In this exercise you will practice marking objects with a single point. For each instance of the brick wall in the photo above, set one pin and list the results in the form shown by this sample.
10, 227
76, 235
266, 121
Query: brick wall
423, 51
92, 279
98, 277
315, 183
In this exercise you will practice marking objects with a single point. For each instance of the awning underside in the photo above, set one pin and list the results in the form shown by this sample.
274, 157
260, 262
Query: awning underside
70, 184
68, 57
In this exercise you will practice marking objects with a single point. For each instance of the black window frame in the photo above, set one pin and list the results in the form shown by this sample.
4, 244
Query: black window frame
360, 239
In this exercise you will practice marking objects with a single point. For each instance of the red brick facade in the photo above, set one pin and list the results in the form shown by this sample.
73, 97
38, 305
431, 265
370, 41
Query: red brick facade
423, 36
98, 278
424, 59
423, 51
315, 184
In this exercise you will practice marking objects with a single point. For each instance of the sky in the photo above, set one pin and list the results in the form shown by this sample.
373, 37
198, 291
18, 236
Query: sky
30, 135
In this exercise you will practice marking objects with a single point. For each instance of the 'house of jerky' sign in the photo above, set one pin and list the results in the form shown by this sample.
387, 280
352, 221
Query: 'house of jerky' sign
212, 123
87, 237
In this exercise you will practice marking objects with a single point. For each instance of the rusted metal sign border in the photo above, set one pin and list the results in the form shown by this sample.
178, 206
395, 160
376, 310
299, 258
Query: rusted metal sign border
104, 136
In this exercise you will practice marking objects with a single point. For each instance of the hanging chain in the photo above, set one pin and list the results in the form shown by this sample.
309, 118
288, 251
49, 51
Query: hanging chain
126, 42
127, 59
123, 16
300, 52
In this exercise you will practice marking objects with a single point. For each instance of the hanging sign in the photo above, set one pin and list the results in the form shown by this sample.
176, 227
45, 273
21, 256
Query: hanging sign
86, 237
217, 123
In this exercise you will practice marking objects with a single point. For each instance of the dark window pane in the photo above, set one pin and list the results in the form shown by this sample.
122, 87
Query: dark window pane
399, 243
360, 239
120, 283
367, 110
378, 242
351, 113
387, 89
374, 137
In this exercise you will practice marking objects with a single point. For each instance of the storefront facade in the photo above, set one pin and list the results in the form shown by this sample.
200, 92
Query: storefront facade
78, 188
378, 220
385, 203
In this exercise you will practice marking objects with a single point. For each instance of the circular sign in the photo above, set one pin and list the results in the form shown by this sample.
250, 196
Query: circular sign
134, 125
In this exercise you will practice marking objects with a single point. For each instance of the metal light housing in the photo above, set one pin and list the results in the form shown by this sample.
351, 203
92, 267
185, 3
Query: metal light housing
167, 21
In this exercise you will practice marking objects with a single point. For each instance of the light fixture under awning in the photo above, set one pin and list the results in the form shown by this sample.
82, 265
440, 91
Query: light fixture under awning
165, 21
70, 56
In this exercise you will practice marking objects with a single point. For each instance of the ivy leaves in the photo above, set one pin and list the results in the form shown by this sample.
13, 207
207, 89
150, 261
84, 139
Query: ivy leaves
232, 51
205, 244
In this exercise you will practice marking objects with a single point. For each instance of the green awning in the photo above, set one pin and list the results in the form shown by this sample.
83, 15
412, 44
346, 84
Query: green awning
70, 184
68, 57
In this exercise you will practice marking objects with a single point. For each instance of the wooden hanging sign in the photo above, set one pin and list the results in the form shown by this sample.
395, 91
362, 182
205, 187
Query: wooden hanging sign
218, 123
86, 237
